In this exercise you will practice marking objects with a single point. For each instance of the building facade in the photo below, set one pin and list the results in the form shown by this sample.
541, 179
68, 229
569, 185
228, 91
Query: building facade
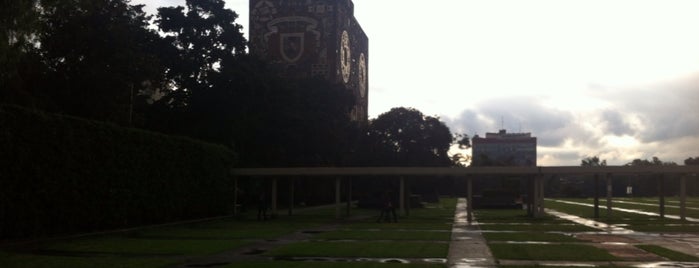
314, 38
504, 149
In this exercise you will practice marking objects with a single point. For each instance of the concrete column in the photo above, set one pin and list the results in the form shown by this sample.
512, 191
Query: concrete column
535, 199
596, 196
408, 195
531, 197
274, 197
609, 195
235, 196
683, 197
541, 195
661, 195
291, 196
349, 196
402, 196
469, 197
337, 198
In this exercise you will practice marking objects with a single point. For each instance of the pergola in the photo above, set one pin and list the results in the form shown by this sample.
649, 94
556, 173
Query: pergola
536, 185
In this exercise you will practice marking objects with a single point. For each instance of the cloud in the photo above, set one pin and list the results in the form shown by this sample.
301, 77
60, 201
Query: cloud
551, 126
659, 112
615, 123
638, 122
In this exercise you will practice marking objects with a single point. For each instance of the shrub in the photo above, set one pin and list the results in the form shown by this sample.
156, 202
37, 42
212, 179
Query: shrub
61, 174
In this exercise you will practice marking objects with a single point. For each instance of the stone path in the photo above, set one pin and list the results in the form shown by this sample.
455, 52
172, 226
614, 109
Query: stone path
468, 248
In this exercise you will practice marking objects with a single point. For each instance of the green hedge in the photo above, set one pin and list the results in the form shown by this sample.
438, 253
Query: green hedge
61, 174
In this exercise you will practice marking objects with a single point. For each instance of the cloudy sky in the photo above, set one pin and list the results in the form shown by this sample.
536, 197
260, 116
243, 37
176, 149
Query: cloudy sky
613, 78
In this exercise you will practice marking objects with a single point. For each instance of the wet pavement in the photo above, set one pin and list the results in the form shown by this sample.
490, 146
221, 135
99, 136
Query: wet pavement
621, 242
675, 217
468, 248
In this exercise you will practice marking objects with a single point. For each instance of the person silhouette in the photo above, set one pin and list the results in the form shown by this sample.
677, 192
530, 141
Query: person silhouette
388, 210
262, 207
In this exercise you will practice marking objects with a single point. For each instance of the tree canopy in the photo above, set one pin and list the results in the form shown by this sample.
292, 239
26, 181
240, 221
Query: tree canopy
593, 161
655, 161
406, 137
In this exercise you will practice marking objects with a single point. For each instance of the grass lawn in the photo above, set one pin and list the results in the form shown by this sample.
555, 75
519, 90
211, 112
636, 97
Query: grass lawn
529, 236
645, 204
633, 221
168, 246
127, 246
385, 235
517, 220
561, 252
363, 249
668, 253
8, 260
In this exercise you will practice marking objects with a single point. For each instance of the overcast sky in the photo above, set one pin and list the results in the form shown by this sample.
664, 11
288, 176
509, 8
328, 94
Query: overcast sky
617, 79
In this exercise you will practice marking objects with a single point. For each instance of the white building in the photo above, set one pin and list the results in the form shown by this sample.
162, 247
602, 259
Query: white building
504, 149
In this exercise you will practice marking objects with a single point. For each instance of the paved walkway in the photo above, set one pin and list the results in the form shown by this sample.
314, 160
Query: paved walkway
468, 248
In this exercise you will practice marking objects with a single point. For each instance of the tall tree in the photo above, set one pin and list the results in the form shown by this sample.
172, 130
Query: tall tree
692, 161
18, 30
655, 161
593, 161
100, 55
406, 137
203, 38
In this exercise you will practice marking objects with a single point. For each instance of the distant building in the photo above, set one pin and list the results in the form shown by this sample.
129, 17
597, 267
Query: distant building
504, 149
314, 38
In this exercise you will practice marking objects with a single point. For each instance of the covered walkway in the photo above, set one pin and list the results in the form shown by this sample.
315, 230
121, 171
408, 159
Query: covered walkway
535, 177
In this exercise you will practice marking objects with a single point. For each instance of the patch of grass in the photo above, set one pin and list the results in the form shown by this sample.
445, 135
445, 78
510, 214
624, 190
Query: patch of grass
385, 235
363, 249
537, 227
120, 245
529, 236
550, 252
400, 225
503, 219
668, 253
633, 221
289, 264
41, 261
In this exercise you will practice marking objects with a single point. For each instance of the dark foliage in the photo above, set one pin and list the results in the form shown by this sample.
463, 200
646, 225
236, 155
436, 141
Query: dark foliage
99, 55
406, 137
63, 174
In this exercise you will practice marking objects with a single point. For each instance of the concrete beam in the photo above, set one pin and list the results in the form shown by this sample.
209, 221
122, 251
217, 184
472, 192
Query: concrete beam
446, 172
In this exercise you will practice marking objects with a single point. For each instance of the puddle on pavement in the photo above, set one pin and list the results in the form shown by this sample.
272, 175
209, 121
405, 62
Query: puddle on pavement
329, 259
435, 260
615, 243
611, 228
669, 264
379, 260
528, 242
394, 261
569, 264
652, 214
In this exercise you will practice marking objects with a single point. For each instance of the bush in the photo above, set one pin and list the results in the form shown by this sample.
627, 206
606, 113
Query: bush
61, 174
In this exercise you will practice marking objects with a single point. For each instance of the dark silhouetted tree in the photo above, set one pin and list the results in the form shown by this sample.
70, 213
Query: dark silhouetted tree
406, 137
203, 38
593, 161
19, 61
692, 161
100, 55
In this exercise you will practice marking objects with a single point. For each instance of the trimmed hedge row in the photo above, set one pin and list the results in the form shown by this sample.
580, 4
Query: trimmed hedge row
61, 174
